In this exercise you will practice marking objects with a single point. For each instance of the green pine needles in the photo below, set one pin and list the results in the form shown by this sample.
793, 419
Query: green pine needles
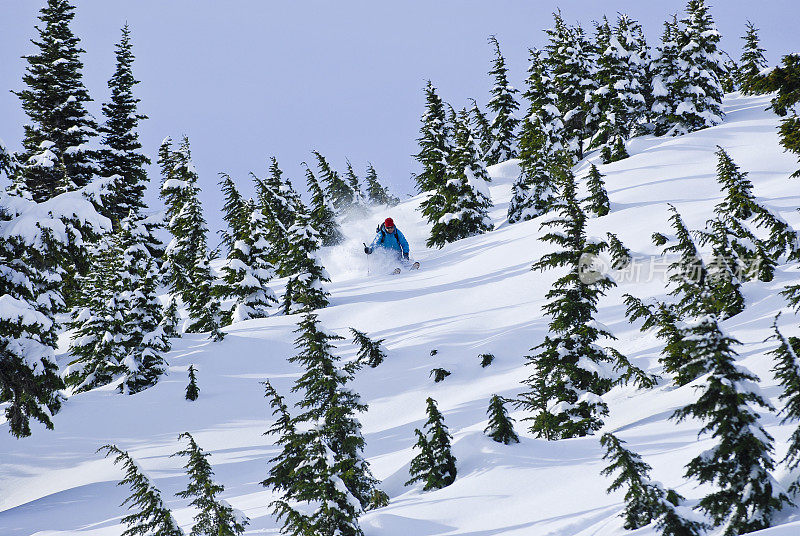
435, 465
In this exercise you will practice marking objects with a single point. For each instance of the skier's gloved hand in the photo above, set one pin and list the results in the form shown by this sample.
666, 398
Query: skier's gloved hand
367, 249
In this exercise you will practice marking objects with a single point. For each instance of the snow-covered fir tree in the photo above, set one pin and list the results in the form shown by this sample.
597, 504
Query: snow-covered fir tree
369, 352
337, 190
739, 465
121, 153
150, 515
378, 194
276, 200
465, 198
697, 84
321, 461
235, 212
570, 71
358, 207
56, 156
214, 517
752, 61
482, 128
665, 71
785, 81
435, 464
322, 214
304, 289
503, 105
723, 270
434, 152
186, 263
571, 371
787, 372
598, 197
501, 426
541, 141
192, 390
620, 95
646, 501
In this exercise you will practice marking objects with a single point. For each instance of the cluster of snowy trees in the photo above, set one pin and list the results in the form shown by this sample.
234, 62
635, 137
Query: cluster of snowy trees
81, 250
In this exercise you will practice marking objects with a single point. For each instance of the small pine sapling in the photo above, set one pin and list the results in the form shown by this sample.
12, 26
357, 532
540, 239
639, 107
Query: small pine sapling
620, 255
598, 197
370, 352
151, 515
434, 352
215, 517
192, 391
501, 426
435, 465
486, 359
439, 374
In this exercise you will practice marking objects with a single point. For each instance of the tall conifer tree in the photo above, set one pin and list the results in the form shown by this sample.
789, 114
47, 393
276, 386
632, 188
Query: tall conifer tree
435, 465
503, 104
752, 61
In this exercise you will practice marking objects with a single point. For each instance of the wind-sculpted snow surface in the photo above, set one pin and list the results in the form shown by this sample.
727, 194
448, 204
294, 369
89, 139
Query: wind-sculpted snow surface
472, 297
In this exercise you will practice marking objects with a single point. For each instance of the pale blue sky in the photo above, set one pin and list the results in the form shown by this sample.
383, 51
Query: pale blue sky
249, 79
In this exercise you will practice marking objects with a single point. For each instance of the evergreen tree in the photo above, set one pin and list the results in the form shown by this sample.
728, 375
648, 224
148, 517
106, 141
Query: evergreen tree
215, 517
186, 262
482, 128
465, 196
785, 80
304, 289
620, 98
359, 201
434, 154
700, 63
501, 426
248, 271
323, 217
171, 318
598, 200
151, 516
55, 156
503, 104
235, 212
320, 461
571, 370
752, 61
740, 463
378, 195
664, 86
369, 351
435, 465
192, 391
723, 270
340, 193
276, 200
787, 371
121, 155
645, 501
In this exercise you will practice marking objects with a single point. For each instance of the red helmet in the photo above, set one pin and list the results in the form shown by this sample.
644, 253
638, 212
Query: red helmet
388, 222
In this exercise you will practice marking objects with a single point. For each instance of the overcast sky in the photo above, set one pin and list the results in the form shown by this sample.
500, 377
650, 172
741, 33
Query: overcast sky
249, 79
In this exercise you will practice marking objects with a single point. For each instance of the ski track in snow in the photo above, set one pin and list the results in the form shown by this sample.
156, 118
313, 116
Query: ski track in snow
474, 296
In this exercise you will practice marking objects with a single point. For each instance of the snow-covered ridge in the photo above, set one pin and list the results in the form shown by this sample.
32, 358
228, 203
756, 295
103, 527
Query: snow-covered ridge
474, 296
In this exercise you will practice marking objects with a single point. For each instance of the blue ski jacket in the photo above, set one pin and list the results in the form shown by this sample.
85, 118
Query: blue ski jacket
395, 241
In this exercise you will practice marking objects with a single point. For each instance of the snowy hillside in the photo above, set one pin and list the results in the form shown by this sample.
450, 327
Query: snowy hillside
474, 296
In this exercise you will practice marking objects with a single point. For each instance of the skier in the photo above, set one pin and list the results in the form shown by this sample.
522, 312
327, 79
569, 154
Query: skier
389, 238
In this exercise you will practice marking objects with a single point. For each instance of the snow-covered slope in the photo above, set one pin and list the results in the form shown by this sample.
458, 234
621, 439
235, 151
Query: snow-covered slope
474, 296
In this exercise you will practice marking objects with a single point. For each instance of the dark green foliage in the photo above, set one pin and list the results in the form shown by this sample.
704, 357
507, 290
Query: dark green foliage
504, 125
598, 197
234, 211
320, 460
439, 374
433, 155
723, 270
215, 517
621, 256
687, 273
787, 372
276, 200
785, 80
462, 205
358, 204
752, 62
482, 128
304, 289
55, 156
171, 318
645, 501
150, 516
486, 359
501, 426
323, 216
192, 391
121, 154
739, 464
370, 352
435, 465
337, 190
378, 195
434, 352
